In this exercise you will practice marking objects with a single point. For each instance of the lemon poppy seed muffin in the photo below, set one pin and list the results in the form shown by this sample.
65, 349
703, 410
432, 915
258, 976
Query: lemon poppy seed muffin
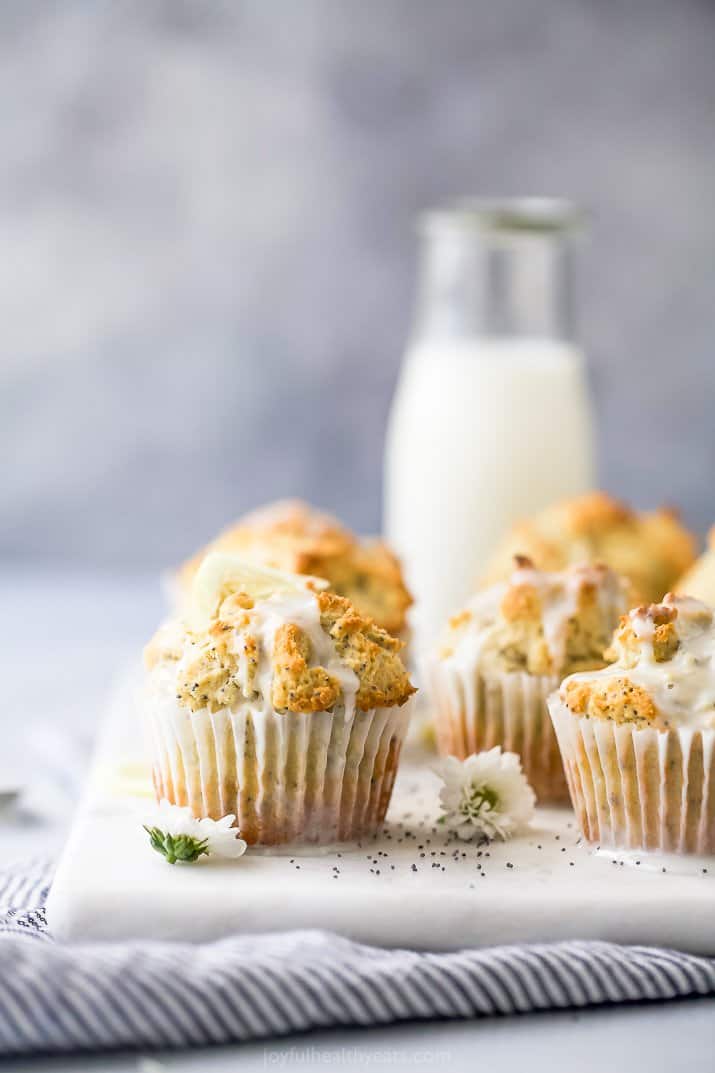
699, 580
501, 657
284, 706
291, 536
651, 549
638, 737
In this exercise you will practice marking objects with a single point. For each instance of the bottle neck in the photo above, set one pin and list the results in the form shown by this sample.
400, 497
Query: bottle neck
512, 283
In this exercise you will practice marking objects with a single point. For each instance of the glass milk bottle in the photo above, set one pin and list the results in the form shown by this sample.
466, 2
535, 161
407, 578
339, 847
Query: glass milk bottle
491, 419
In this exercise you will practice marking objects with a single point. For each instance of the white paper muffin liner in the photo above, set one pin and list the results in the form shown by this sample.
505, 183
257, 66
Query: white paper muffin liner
474, 711
639, 789
316, 777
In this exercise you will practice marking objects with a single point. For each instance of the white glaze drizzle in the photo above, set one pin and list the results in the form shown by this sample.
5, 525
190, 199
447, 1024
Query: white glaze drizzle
683, 687
264, 620
558, 599
302, 611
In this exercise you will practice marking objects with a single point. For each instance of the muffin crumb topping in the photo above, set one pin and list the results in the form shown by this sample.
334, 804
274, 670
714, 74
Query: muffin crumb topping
651, 549
663, 669
300, 652
543, 623
291, 536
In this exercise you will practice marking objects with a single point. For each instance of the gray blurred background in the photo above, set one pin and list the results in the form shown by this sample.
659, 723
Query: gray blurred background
208, 254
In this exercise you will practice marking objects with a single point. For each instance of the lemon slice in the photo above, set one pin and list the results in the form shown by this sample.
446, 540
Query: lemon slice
221, 574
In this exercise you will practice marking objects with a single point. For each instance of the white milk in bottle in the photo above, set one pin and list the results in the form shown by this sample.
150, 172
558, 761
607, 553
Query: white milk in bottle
491, 418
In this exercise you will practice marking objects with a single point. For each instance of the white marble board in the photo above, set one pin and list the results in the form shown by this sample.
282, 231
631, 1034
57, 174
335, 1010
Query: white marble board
412, 886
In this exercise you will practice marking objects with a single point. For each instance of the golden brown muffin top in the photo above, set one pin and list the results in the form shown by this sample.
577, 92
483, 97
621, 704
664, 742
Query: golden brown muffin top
699, 580
651, 549
290, 535
299, 652
543, 623
663, 669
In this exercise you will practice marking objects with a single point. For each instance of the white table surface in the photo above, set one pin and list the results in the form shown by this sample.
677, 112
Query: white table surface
83, 629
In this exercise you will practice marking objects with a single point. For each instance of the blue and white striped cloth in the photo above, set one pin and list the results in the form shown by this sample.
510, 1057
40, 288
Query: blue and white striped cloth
56, 998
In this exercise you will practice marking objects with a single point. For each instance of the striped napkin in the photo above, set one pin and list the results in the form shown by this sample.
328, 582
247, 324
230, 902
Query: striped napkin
56, 998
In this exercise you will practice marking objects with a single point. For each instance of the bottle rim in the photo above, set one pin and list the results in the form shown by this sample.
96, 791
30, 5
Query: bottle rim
526, 215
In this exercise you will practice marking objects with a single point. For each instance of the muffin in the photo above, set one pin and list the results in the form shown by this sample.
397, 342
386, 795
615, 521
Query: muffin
637, 738
291, 536
699, 580
508, 650
278, 703
652, 550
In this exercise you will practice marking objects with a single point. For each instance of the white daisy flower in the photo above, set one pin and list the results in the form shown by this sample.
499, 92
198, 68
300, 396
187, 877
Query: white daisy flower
179, 836
485, 795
